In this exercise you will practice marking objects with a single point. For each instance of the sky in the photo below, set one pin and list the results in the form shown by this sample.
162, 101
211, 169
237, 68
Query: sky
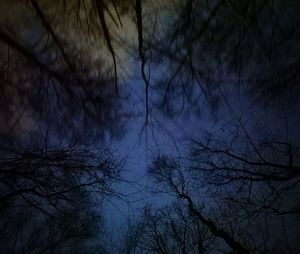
141, 143
172, 136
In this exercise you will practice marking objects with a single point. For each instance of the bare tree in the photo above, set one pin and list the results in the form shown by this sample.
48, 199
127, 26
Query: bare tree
248, 189
47, 198
50, 74
171, 229
55, 90
207, 46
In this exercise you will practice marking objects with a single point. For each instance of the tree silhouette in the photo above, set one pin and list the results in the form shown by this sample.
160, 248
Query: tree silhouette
250, 189
63, 67
170, 229
48, 195
206, 48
